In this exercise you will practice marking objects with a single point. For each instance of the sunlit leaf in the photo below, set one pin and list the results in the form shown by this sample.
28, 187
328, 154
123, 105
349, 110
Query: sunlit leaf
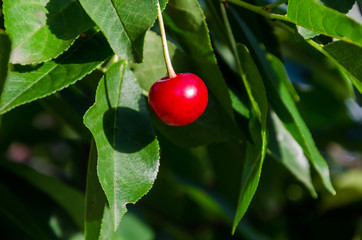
28, 83
324, 20
128, 152
306, 33
124, 23
341, 6
43, 29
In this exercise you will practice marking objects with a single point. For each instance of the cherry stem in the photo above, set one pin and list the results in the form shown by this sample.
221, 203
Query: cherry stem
171, 72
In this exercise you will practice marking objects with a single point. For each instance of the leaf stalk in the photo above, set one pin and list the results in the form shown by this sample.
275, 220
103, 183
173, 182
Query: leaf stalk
260, 10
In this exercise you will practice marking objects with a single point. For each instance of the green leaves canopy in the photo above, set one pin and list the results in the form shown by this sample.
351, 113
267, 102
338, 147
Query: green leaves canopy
128, 152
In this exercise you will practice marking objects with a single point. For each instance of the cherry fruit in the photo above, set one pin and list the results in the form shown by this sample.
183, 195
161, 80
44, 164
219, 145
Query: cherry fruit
179, 100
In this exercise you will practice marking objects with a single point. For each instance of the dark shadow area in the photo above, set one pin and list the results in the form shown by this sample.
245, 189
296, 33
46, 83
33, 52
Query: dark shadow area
341, 6
5, 49
127, 130
1, 16
25, 204
92, 47
66, 19
25, 68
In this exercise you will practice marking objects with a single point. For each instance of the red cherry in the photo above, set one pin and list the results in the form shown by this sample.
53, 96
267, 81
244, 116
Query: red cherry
180, 100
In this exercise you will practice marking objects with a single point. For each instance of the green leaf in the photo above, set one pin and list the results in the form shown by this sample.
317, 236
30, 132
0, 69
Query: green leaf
42, 30
239, 106
95, 200
284, 106
288, 113
250, 176
287, 151
15, 211
28, 83
324, 20
5, 46
282, 75
254, 84
55, 189
128, 153
124, 23
348, 58
213, 126
341, 6
255, 151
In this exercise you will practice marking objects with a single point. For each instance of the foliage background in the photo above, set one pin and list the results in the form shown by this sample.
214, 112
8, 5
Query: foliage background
266, 83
